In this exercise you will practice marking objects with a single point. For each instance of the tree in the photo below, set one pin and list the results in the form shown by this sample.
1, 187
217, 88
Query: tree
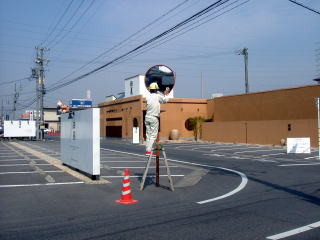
195, 126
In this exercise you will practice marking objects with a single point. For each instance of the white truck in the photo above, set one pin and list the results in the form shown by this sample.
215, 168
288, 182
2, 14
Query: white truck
19, 129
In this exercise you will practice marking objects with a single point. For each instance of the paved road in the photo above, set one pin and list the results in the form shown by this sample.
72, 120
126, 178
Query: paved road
222, 191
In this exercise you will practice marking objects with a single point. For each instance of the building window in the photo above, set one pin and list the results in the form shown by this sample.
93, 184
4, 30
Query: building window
135, 122
131, 87
113, 119
188, 124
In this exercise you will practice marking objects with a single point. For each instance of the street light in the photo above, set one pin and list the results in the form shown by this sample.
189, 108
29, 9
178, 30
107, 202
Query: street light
244, 52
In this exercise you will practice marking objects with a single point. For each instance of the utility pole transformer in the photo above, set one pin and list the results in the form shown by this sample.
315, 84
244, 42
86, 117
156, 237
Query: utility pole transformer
244, 52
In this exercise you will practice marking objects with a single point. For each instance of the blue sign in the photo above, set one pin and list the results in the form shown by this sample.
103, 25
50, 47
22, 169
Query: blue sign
81, 103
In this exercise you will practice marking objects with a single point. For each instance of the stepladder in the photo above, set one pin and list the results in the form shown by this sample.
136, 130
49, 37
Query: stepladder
155, 154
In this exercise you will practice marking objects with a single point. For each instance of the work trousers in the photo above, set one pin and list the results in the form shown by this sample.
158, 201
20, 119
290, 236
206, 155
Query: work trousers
152, 127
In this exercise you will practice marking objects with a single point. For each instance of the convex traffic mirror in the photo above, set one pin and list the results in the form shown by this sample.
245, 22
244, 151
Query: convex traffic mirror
162, 75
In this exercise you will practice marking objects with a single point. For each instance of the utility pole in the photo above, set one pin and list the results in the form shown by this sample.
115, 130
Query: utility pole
2, 116
201, 79
244, 52
38, 74
15, 99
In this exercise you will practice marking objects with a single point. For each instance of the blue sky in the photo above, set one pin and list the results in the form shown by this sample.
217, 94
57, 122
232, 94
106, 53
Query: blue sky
283, 41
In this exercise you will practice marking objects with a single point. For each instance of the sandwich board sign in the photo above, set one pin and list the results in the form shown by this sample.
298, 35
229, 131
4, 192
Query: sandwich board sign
298, 145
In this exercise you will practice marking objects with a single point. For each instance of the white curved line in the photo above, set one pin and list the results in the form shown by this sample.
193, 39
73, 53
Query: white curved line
244, 179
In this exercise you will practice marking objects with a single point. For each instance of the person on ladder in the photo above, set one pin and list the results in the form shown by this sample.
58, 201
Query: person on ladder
153, 114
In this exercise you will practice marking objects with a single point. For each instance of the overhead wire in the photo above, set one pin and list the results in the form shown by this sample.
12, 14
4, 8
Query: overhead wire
304, 6
66, 24
177, 26
156, 44
188, 28
123, 41
74, 24
58, 22
13, 81
142, 47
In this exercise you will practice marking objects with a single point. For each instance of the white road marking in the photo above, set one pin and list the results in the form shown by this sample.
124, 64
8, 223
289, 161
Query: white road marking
200, 147
9, 155
298, 164
231, 148
141, 176
187, 145
273, 154
143, 167
3, 173
192, 145
244, 179
14, 160
39, 184
236, 157
295, 231
13, 165
214, 154
125, 161
264, 160
263, 150
311, 157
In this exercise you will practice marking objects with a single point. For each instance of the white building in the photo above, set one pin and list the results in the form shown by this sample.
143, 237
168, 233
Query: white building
135, 85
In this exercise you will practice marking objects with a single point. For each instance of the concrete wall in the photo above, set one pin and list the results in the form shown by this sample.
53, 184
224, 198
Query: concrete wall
177, 111
260, 132
264, 117
282, 104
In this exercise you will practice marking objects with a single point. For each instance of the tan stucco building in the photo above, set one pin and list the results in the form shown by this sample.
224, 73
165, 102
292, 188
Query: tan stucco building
254, 118
264, 117
120, 116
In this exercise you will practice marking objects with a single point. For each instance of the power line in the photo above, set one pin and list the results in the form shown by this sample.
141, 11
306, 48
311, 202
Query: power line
13, 81
125, 40
177, 26
65, 25
58, 22
304, 6
76, 22
175, 35
142, 48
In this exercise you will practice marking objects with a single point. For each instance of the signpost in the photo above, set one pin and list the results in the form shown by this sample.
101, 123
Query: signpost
298, 145
81, 103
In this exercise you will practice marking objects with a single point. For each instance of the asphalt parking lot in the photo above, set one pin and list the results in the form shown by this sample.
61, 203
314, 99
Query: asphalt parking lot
268, 154
222, 191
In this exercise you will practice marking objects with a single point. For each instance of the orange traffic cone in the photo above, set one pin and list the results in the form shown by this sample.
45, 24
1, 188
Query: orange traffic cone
126, 197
